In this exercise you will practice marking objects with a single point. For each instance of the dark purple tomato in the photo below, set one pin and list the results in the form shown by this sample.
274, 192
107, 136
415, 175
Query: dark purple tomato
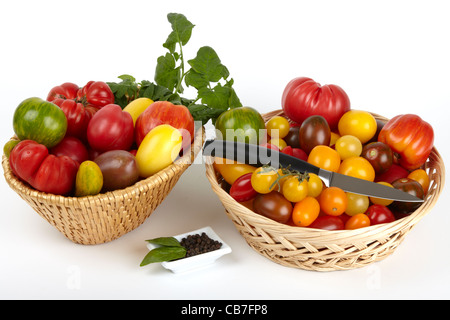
379, 214
273, 205
328, 223
292, 139
380, 125
314, 131
379, 155
241, 190
412, 187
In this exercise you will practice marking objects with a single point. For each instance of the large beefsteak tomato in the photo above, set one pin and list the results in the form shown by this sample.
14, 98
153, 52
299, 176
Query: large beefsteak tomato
303, 97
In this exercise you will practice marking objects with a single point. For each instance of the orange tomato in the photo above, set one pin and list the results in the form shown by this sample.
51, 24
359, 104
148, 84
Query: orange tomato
231, 170
421, 177
383, 202
333, 201
360, 220
357, 167
358, 123
305, 212
325, 158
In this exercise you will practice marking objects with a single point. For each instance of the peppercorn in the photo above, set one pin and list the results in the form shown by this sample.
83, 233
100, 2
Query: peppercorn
198, 244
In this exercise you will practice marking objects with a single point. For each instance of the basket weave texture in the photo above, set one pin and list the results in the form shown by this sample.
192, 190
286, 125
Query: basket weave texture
323, 250
105, 216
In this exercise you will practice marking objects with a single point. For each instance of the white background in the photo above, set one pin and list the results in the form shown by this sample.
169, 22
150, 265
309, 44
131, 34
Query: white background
391, 57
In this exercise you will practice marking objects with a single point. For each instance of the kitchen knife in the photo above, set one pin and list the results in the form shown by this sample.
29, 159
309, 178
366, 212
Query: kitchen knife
257, 155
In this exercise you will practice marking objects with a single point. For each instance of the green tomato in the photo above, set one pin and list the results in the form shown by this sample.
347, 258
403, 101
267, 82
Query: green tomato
41, 121
242, 124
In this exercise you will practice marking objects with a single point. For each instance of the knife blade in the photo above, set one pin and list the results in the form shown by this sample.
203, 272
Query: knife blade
257, 155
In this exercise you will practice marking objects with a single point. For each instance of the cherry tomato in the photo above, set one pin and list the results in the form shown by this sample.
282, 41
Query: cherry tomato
357, 167
231, 170
421, 177
360, 124
299, 153
394, 172
357, 221
241, 190
295, 190
278, 142
383, 202
278, 127
328, 223
325, 158
314, 131
356, 203
273, 205
263, 180
379, 214
333, 138
333, 201
315, 185
379, 155
348, 146
412, 187
292, 139
305, 212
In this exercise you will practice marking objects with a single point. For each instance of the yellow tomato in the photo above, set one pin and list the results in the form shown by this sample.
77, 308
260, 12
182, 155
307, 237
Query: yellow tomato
383, 202
278, 127
278, 142
421, 177
325, 158
158, 150
231, 170
89, 179
360, 124
333, 138
137, 106
315, 185
295, 190
348, 146
357, 167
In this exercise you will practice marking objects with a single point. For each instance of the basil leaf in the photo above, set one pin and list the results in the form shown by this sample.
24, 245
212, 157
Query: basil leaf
163, 254
165, 241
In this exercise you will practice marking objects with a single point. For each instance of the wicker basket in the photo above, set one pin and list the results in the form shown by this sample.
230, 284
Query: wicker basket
106, 216
322, 250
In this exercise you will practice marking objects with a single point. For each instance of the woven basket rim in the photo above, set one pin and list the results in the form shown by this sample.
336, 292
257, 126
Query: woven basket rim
340, 236
178, 165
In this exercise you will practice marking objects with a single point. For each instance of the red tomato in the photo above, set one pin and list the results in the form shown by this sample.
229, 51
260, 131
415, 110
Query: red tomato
393, 173
379, 214
303, 97
164, 112
241, 190
96, 94
328, 223
110, 129
299, 153
71, 147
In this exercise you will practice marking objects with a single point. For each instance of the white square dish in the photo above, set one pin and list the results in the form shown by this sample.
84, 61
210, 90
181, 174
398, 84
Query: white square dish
197, 261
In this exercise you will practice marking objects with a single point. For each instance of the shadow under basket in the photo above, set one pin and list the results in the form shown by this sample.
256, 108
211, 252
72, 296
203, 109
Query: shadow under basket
106, 216
323, 250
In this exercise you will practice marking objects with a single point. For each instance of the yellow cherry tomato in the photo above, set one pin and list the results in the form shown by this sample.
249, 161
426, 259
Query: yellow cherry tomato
295, 190
360, 124
315, 185
278, 142
356, 203
158, 150
421, 177
137, 106
357, 167
231, 170
333, 138
348, 146
383, 202
325, 157
263, 180
278, 127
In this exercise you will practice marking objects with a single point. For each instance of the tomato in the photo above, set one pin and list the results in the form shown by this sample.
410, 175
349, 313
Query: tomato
137, 106
273, 205
231, 170
110, 129
333, 138
41, 121
325, 158
241, 190
119, 169
278, 127
303, 97
292, 138
327, 223
379, 155
158, 150
383, 202
31, 162
412, 187
356, 203
315, 185
357, 167
348, 146
360, 220
420, 176
89, 179
96, 94
164, 112
243, 124
305, 212
67, 90
278, 142
393, 173
263, 180
299, 153
8, 146
409, 136
71, 147
360, 124
333, 201
294, 189
314, 131
379, 214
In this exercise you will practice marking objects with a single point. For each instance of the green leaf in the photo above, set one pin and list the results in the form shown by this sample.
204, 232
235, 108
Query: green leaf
195, 79
204, 113
124, 91
167, 74
182, 30
220, 97
207, 64
163, 254
165, 241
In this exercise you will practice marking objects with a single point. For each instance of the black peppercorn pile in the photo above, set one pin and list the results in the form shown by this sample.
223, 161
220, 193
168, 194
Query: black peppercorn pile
197, 244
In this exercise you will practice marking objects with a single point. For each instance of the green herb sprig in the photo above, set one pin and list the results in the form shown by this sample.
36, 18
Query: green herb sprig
170, 249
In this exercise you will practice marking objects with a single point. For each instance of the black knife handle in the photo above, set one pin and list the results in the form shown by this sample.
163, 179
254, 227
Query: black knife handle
255, 155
